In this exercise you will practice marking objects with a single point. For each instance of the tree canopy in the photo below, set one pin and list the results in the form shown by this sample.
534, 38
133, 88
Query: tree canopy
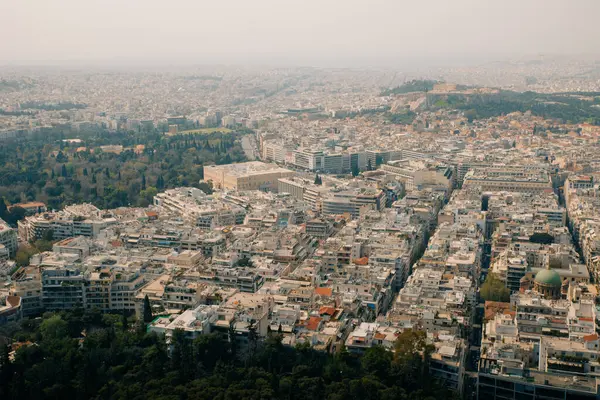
52, 168
493, 289
110, 362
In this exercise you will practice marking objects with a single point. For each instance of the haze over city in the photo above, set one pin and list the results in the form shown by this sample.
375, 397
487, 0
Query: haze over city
310, 32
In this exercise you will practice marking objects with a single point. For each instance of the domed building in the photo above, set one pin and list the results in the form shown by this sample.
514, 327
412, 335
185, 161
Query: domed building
548, 283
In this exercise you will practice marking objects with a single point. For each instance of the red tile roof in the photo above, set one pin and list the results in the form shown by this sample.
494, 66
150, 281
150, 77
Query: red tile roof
327, 310
313, 323
361, 261
324, 291
590, 338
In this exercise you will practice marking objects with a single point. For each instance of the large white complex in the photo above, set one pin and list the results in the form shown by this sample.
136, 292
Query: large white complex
254, 175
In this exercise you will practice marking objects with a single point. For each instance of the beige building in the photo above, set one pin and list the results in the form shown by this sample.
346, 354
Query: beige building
512, 179
254, 175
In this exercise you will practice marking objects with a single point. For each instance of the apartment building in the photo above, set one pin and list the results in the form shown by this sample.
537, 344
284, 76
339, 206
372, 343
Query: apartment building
27, 285
511, 179
419, 175
203, 211
76, 220
8, 238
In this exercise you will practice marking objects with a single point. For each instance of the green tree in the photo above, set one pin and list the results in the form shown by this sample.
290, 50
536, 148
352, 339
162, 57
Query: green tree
377, 361
244, 262
206, 187
493, 289
147, 310
54, 328
23, 255
318, 180
124, 321
146, 197
3, 209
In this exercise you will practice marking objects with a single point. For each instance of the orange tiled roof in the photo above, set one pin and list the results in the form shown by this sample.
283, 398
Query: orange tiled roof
590, 338
313, 323
327, 310
361, 261
324, 291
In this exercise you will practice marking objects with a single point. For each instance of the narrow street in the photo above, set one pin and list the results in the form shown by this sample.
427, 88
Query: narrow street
249, 146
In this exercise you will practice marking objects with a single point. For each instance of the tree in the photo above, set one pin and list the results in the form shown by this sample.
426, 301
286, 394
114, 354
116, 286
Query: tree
63, 171
206, 187
376, 361
493, 289
3, 209
147, 310
24, 253
54, 328
355, 170
542, 238
143, 182
124, 321
42, 245
318, 180
409, 343
369, 165
48, 235
244, 262
147, 196
15, 215
470, 115
160, 183
232, 338
124, 364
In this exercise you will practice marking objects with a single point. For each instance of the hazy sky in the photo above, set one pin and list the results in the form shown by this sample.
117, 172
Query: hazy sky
307, 32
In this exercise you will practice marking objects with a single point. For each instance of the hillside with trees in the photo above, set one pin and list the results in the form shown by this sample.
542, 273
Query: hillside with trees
60, 167
416, 85
563, 107
77, 355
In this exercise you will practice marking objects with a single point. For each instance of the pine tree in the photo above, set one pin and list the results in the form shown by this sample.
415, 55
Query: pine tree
3, 208
52, 174
107, 172
85, 172
63, 171
369, 165
143, 182
124, 322
147, 310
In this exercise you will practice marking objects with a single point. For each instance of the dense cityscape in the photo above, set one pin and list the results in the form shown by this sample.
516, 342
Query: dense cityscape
260, 232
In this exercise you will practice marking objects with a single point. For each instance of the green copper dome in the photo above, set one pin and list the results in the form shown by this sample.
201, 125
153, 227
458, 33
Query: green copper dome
548, 277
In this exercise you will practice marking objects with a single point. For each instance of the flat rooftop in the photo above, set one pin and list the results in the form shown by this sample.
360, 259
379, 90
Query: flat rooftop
246, 169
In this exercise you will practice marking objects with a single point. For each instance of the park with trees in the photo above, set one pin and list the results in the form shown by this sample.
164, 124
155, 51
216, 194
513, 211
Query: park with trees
59, 166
